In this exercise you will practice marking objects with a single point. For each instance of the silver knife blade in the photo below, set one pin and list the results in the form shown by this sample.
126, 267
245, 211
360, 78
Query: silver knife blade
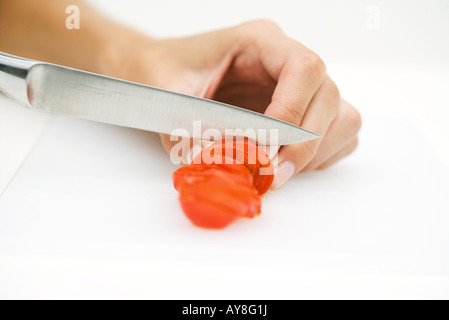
90, 96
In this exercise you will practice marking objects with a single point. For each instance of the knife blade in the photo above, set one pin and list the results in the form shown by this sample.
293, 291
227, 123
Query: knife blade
61, 90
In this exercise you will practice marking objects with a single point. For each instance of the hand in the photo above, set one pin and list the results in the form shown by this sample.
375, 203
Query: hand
257, 67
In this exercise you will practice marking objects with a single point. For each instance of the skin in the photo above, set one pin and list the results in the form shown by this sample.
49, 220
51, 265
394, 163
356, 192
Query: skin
253, 65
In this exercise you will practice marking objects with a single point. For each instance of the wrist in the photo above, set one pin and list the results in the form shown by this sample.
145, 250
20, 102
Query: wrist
117, 50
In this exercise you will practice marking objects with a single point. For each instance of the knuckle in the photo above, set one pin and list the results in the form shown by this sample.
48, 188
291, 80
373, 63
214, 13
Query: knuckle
302, 154
332, 89
309, 150
313, 164
333, 94
261, 25
353, 144
313, 63
267, 23
293, 114
354, 120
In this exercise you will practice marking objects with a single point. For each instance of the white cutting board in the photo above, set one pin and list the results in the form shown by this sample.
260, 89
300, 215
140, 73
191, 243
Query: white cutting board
92, 213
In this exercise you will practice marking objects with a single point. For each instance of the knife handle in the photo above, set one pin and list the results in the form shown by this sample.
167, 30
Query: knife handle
13, 77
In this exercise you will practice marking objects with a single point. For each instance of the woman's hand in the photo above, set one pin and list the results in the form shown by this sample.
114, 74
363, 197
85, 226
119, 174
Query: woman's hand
255, 66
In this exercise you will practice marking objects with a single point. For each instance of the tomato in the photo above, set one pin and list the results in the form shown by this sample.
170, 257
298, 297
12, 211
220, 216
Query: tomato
194, 173
213, 194
241, 151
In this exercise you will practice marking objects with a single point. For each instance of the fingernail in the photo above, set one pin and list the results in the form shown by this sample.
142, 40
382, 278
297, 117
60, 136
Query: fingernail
285, 171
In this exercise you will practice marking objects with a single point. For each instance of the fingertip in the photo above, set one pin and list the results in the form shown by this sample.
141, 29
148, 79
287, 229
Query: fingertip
284, 172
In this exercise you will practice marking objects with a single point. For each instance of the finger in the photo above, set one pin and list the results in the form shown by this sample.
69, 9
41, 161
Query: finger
271, 151
320, 114
296, 70
182, 150
342, 130
347, 150
299, 78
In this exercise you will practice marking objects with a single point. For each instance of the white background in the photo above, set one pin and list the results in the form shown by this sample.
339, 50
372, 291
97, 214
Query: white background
87, 210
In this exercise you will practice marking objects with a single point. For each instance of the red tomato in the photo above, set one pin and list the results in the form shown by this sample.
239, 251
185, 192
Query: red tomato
197, 172
243, 152
213, 195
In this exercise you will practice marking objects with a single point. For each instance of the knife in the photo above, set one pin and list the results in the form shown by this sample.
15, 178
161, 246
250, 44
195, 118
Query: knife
61, 90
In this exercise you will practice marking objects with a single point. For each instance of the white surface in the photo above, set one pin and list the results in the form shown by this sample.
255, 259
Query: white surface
92, 214
19, 129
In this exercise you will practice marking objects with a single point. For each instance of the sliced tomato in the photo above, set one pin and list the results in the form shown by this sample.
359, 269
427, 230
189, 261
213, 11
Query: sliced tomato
213, 196
215, 193
241, 152
239, 200
192, 174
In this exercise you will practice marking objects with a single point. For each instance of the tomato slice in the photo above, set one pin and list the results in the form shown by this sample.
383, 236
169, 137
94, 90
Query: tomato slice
194, 173
213, 196
233, 199
241, 152
215, 193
